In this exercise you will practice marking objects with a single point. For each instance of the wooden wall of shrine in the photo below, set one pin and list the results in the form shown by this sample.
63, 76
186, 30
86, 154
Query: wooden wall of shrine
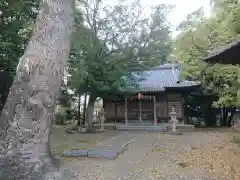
115, 110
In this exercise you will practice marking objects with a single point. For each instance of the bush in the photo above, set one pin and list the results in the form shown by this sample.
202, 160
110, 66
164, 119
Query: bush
60, 118
236, 140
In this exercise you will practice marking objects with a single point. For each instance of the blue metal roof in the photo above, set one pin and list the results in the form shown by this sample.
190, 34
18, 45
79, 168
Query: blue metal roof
162, 77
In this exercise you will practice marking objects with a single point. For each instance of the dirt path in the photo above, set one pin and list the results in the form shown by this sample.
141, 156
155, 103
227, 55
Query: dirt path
190, 156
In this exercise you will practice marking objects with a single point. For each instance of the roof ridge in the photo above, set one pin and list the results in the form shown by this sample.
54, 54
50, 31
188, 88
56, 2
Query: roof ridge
222, 47
166, 66
175, 75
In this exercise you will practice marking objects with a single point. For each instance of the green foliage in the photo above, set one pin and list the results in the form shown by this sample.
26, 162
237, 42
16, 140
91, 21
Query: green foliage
16, 20
64, 114
236, 140
65, 98
109, 50
60, 118
222, 80
64, 110
15, 25
198, 36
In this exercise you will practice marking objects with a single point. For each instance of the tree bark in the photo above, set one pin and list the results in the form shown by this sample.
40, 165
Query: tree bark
89, 115
4, 87
84, 108
26, 118
79, 111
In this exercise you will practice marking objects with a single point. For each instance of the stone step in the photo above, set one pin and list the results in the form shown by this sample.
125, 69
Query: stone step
141, 128
158, 128
182, 128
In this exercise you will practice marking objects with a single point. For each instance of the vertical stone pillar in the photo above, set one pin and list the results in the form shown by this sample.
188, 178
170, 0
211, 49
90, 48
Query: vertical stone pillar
154, 111
173, 119
102, 119
140, 110
126, 114
237, 120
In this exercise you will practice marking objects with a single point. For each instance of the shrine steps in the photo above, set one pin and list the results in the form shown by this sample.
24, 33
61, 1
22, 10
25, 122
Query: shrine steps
157, 128
181, 128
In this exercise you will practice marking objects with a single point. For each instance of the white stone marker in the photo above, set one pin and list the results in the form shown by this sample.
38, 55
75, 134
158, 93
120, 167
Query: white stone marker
173, 119
102, 119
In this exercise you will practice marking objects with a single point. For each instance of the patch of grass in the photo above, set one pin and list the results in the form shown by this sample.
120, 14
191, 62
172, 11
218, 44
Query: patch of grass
233, 169
61, 141
158, 150
182, 164
236, 140
82, 141
193, 147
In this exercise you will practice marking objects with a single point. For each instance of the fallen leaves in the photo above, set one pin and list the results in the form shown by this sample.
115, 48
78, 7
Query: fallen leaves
191, 156
158, 150
182, 164
222, 161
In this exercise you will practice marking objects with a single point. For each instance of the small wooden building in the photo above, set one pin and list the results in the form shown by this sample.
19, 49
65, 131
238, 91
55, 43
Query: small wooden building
227, 54
159, 91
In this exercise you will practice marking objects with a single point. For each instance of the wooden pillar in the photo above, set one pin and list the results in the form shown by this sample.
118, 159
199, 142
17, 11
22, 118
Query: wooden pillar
238, 82
167, 108
126, 114
154, 111
140, 110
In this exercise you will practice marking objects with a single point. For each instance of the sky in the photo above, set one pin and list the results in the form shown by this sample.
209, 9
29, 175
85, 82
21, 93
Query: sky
179, 13
183, 7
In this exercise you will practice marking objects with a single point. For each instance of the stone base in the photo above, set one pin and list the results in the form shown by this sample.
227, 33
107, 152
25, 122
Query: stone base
175, 133
101, 130
82, 129
236, 128
157, 128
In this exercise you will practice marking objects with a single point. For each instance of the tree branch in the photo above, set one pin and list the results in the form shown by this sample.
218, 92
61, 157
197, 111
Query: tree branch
201, 49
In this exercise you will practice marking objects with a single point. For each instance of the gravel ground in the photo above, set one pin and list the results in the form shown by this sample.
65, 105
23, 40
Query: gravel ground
190, 156
61, 141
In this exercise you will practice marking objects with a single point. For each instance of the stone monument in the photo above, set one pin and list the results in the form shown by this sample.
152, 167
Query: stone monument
236, 121
173, 120
102, 119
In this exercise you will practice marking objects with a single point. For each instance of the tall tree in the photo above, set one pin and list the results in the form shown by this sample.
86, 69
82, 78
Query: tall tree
116, 41
198, 36
27, 115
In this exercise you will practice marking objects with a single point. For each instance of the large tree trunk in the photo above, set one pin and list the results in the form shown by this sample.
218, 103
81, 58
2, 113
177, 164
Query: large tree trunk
89, 115
79, 110
26, 118
4, 87
84, 108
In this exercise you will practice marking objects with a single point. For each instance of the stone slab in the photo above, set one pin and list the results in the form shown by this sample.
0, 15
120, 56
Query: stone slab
105, 153
158, 128
108, 149
77, 153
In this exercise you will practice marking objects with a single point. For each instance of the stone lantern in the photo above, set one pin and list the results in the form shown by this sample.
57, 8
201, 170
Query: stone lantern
173, 120
102, 119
